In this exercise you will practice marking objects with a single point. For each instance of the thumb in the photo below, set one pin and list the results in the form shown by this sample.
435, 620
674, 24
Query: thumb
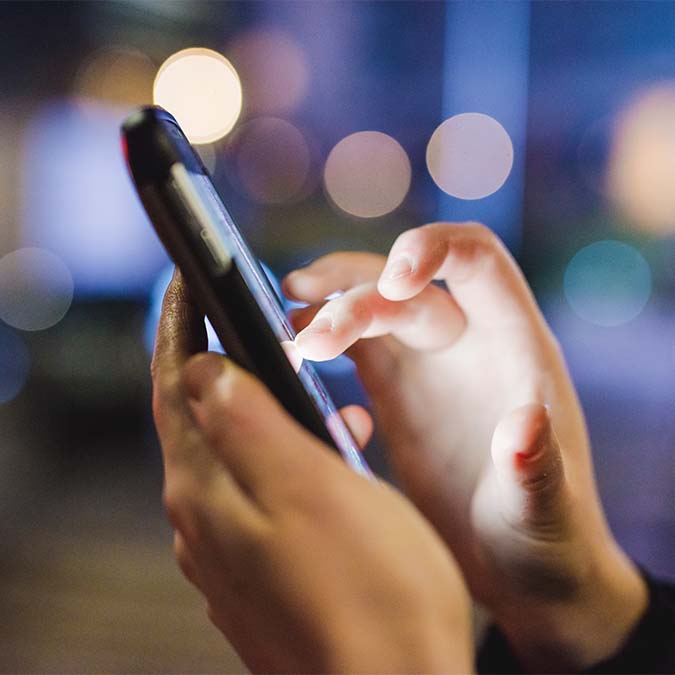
529, 470
255, 438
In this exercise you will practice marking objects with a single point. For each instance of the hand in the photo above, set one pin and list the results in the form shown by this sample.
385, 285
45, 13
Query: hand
462, 384
306, 565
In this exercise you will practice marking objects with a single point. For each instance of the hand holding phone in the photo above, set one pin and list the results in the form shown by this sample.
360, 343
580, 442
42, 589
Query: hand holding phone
306, 567
223, 275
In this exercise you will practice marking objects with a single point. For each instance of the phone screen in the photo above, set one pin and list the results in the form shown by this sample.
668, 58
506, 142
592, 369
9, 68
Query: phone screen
228, 247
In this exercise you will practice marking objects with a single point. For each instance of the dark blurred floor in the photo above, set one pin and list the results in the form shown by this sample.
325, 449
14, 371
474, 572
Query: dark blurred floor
89, 583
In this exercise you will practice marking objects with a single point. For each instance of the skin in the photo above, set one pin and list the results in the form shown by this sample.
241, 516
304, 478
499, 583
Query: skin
484, 431
305, 565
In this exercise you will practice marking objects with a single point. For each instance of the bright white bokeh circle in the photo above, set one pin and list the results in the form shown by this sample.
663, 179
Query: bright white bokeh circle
36, 289
608, 283
470, 156
367, 174
201, 89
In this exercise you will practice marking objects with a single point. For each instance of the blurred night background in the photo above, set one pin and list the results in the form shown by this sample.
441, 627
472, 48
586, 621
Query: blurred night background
553, 123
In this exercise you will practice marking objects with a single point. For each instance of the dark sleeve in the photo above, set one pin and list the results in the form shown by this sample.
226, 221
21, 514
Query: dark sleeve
650, 648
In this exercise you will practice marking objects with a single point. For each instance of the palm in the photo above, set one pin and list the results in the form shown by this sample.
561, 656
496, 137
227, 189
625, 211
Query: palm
439, 422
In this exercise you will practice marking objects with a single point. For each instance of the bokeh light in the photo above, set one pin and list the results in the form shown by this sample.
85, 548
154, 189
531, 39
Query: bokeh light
77, 200
273, 69
641, 173
201, 89
367, 174
608, 283
470, 156
14, 364
36, 289
116, 74
272, 160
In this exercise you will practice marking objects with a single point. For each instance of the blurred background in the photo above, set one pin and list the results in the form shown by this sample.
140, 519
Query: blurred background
326, 125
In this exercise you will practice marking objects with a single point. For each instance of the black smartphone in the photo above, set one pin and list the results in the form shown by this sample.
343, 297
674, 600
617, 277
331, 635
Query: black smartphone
224, 277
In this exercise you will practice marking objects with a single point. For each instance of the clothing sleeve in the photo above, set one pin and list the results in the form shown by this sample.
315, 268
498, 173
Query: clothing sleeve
650, 647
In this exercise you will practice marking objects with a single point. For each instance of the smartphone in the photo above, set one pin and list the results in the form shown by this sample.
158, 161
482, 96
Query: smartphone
223, 275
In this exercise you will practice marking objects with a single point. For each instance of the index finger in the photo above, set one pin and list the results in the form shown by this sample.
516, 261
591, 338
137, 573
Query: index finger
478, 269
340, 270
180, 332
194, 482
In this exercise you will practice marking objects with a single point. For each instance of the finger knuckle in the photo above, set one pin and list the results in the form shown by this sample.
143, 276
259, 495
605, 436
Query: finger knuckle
481, 232
360, 308
482, 250
538, 483
546, 484
483, 237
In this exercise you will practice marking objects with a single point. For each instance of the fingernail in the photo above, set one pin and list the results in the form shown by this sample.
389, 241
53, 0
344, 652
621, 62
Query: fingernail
537, 441
321, 324
398, 268
203, 376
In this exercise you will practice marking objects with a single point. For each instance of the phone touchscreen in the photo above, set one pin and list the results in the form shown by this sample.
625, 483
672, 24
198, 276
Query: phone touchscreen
228, 247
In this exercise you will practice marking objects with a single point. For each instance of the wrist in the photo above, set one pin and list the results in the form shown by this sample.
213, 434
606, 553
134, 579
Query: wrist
586, 628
